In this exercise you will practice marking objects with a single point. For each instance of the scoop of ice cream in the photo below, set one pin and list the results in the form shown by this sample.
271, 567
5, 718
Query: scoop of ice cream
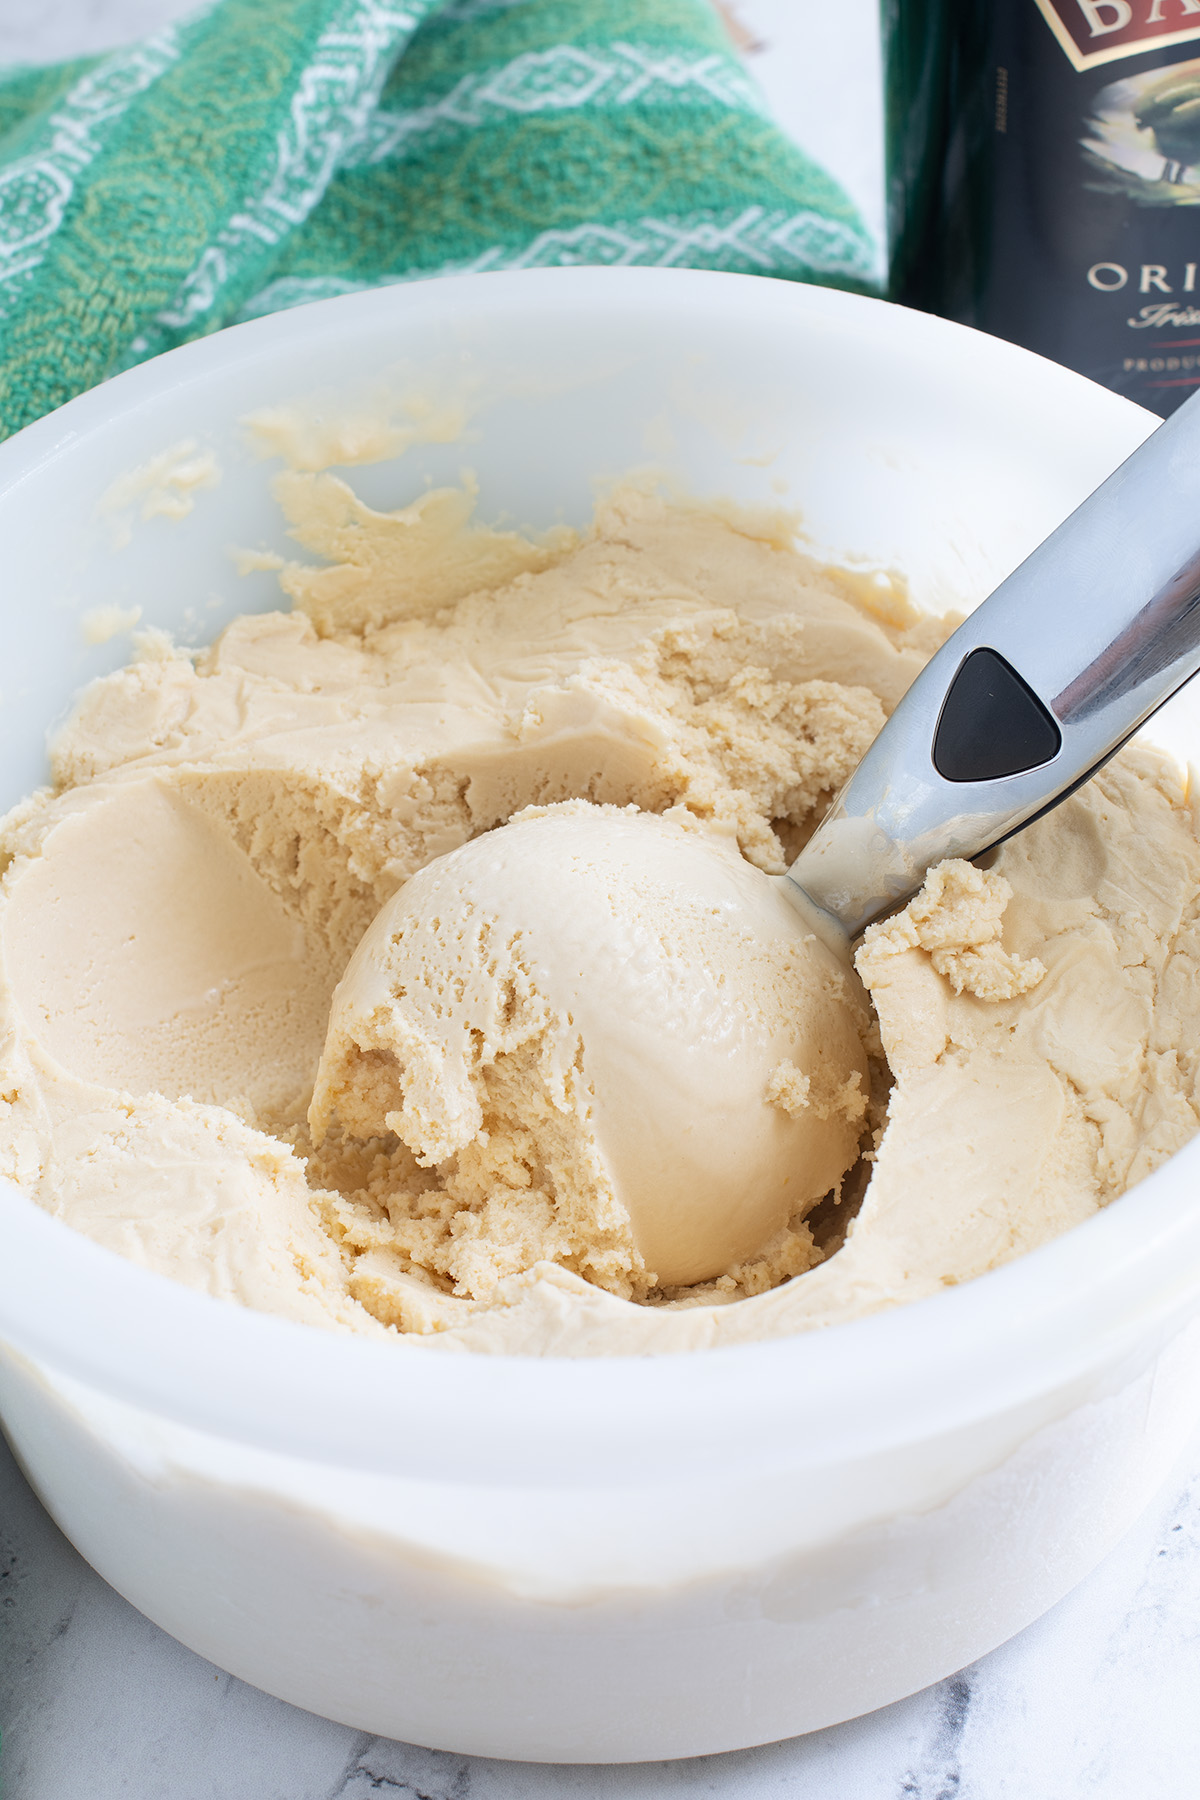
614, 1040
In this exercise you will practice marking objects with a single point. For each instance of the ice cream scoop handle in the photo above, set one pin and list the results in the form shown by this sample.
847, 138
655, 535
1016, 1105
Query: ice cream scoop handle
1031, 695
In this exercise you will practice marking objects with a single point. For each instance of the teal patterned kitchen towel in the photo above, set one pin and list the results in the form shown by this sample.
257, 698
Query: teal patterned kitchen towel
268, 152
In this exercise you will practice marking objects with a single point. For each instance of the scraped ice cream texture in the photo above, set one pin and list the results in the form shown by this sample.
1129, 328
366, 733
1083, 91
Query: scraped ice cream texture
410, 961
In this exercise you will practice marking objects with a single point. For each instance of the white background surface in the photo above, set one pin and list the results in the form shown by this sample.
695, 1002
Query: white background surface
1101, 1698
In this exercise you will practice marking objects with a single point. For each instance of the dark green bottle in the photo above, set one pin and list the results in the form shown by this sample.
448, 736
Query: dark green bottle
1044, 179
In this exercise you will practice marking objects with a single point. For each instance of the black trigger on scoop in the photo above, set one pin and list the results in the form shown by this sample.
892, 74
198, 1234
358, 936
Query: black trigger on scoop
992, 723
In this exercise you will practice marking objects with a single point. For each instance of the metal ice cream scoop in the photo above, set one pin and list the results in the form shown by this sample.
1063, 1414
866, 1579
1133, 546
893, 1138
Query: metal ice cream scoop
1041, 685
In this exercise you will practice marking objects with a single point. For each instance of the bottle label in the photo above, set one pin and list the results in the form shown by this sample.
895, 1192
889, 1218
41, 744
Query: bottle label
1087, 222
1103, 31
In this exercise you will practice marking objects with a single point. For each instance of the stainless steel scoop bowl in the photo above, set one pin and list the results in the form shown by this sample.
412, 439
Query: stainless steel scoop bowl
1044, 682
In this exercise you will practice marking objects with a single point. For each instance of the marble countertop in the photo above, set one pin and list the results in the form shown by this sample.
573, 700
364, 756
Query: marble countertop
1098, 1699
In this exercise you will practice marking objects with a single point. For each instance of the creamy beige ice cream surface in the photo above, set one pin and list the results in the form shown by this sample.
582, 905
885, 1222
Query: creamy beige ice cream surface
488, 1162
585, 1022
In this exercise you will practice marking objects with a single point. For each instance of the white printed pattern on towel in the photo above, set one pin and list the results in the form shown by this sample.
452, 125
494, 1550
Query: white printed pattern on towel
335, 96
36, 190
775, 243
555, 80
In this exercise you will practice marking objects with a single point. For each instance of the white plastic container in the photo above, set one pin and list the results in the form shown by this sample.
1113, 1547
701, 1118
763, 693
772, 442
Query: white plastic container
606, 1560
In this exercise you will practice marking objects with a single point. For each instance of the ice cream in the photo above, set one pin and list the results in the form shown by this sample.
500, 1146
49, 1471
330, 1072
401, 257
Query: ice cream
582, 1020
251, 886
